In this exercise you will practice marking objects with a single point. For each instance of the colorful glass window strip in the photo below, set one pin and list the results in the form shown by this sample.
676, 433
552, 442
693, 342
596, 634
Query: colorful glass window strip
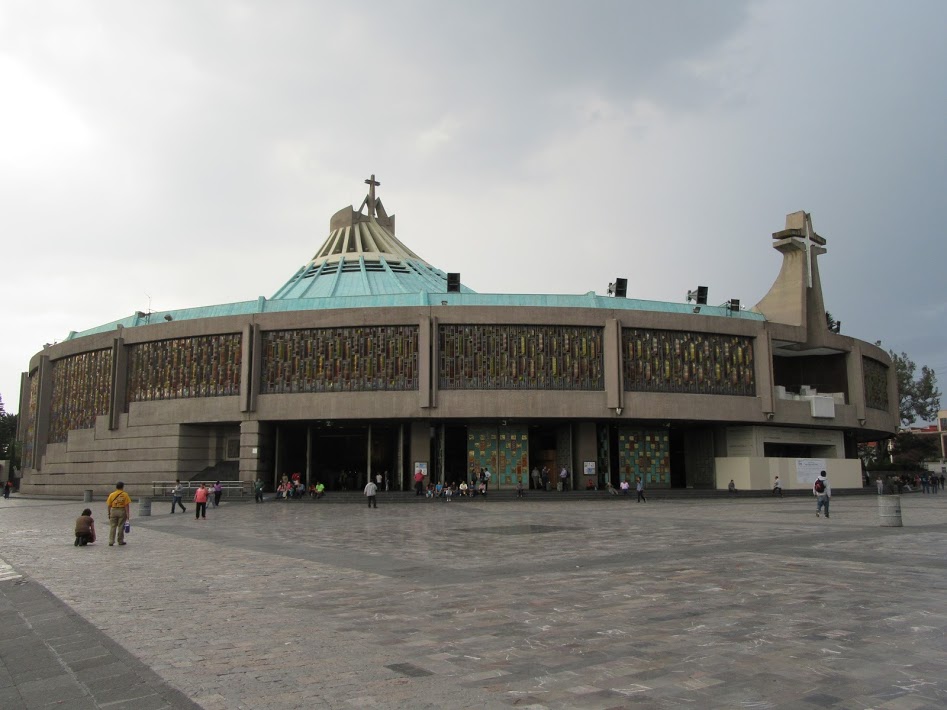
201, 366
369, 358
691, 363
26, 458
82, 390
520, 357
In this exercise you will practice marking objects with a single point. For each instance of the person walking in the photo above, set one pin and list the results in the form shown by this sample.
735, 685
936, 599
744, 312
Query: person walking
200, 500
118, 506
371, 490
258, 490
823, 493
7, 488
778, 487
639, 488
176, 495
218, 491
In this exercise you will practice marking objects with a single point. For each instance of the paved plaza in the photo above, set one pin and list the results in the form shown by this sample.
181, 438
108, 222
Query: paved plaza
542, 603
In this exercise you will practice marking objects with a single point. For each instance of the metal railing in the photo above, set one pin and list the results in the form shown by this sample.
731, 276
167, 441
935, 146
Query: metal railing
231, 489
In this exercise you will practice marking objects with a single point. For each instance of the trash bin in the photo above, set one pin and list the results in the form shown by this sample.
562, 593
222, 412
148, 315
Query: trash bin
889, 510
144, 507
87, 496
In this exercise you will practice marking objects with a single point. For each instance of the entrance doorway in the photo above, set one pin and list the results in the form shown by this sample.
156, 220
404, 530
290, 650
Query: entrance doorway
542, 453
455, 454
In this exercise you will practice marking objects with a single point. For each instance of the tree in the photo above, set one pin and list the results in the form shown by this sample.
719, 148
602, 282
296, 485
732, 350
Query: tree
913, 449
7, 433
918, 397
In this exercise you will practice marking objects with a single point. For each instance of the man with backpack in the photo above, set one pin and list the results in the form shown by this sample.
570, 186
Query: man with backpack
823, 493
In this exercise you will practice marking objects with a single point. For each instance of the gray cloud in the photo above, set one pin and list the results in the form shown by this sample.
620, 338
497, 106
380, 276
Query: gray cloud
195, 151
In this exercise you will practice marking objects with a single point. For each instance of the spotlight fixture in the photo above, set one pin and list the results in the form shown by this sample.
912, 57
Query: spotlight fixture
699, 295
696, 309
621, 288
734, 304
453, 282
168, 317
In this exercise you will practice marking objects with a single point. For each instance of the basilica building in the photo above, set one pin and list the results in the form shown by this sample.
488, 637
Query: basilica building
369, 360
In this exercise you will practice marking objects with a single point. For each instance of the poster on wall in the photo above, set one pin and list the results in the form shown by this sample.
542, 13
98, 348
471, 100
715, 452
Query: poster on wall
420, 467
588, 468
807, 470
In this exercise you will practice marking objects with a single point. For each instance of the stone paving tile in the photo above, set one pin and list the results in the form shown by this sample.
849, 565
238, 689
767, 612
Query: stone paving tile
695, 604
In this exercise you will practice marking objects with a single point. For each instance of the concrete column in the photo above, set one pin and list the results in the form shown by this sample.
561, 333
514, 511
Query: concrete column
435, 360
424, 363
763, 373
256, 367
420, 446
399, 472
246, 360
855, 371
44, 402
368, 454
586, 449
119, 381
255, 450
612, 354
893, 397
308, 455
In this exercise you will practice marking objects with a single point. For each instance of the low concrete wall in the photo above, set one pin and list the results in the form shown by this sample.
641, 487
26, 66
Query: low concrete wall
758, 473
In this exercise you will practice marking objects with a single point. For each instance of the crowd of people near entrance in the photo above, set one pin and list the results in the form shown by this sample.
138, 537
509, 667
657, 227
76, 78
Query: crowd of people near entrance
925, 481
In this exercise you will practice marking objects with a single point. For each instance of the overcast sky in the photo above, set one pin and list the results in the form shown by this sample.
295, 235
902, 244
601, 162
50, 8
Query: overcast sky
179, 154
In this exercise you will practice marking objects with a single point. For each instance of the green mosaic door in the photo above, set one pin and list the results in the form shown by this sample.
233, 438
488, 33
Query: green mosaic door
504, 451
645, 453
481, 450
513, 463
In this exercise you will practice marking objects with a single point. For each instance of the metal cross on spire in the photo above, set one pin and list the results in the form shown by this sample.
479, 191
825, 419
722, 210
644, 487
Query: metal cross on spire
372, 184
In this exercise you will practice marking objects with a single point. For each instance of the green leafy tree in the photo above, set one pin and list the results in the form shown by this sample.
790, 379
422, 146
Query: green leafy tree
7, 433
914, 449
919, 398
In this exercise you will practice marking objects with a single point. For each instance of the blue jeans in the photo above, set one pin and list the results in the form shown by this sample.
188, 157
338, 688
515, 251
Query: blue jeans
822, 501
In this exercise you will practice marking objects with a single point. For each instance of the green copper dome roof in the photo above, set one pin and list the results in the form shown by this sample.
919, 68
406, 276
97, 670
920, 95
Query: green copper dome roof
362, 257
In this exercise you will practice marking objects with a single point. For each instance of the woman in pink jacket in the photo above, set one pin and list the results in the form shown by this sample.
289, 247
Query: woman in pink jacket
200, 502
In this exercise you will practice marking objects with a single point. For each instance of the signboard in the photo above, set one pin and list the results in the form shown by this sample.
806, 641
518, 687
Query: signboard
588, 468
420, 466
807, 470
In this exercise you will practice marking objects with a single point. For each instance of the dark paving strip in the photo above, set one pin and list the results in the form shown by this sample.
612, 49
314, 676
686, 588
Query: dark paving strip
49, 656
